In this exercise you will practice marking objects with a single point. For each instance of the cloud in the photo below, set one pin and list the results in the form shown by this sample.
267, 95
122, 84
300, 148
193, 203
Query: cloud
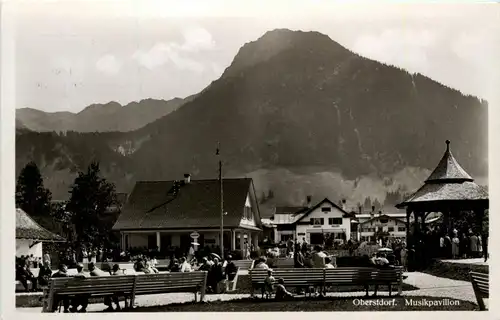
401, 47
108, 64
195, 40
162, 53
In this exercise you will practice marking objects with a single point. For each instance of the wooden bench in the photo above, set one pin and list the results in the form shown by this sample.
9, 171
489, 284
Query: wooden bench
293, 278
244, 264
126, 285
315, 277
481, 287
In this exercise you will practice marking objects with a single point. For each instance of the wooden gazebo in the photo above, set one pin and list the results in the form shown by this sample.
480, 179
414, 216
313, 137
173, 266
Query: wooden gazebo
449, 190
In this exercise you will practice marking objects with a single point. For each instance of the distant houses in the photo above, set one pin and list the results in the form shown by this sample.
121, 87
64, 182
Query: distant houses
312, 223
327, 219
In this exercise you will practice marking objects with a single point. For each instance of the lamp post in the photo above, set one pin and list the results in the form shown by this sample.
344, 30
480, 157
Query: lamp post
221, 204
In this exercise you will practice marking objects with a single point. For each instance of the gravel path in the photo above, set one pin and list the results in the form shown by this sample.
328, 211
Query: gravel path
428, 286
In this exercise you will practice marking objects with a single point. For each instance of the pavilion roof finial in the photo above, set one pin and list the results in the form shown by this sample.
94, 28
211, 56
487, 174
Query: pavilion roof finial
448, 169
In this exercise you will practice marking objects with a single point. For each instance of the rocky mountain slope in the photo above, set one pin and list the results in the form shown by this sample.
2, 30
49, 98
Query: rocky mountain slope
294, 102
99, 117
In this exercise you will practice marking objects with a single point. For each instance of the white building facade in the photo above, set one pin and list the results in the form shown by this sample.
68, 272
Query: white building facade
314, 224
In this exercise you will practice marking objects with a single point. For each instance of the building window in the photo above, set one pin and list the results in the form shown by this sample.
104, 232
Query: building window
332, 221
390, 229
401, 228
383, 221
317, 221
247, 213
326, 209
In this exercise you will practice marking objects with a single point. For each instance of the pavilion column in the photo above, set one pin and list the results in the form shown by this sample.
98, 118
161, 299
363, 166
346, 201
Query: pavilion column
242, 245
158, 240
446, 221
479, 213
233, 240
255, 240
408, 215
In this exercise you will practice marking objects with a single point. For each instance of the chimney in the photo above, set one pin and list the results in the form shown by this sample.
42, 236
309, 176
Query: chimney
187, 178
308, 201
360, 210
379, 213
343, 206
372, 214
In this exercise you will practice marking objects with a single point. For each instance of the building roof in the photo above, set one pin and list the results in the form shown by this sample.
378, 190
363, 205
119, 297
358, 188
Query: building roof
378, 217
448, 169
448, 182
27, 228
151, 205
309, 210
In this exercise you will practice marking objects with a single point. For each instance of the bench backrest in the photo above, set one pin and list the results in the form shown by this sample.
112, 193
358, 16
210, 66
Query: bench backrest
170, 282
94, 285
330, 276
244, 264
291, 276
481, 282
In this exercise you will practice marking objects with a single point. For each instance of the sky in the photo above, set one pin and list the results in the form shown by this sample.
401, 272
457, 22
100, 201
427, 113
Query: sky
72, 54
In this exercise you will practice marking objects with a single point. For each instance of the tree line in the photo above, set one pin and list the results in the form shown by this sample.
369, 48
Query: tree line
84, 219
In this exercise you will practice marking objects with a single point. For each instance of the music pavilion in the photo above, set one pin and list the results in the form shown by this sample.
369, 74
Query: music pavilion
165, 213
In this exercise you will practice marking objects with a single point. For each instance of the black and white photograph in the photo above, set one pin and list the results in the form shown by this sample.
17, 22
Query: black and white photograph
248, 156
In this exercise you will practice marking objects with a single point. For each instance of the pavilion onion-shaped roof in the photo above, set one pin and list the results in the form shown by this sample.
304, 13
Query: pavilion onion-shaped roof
448, 182
27, 228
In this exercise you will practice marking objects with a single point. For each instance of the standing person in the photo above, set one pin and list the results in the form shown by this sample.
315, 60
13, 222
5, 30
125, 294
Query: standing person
447, 244
464, 241
474, 245
46, 257
44, 274
404, 256
455, 243
269, 283
442, 249
246, 248
298, 257
305, 245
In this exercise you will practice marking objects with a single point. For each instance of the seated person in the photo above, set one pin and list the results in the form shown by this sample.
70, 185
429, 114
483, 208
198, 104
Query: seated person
328, 263
83, 299
24, 274
115, 271
269, 283
281, 292
96, 272
175, 266
61, 273
205, 265
262, 264
184, 265
45, 274
231, 269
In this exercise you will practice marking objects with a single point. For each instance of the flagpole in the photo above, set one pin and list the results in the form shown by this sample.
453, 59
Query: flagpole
221, 204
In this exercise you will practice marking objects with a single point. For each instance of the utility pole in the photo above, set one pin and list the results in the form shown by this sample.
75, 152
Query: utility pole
221, 204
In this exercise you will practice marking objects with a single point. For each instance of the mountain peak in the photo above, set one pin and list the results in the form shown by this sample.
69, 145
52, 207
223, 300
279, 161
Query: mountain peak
277, 41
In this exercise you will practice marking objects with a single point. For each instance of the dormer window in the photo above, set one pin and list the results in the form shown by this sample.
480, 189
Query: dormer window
326, 209
384, 220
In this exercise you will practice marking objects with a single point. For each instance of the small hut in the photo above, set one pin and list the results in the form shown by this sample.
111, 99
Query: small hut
449, 190
30, 235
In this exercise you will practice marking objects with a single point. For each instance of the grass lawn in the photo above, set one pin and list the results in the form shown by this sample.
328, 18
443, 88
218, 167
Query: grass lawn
455, 271
313, 304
